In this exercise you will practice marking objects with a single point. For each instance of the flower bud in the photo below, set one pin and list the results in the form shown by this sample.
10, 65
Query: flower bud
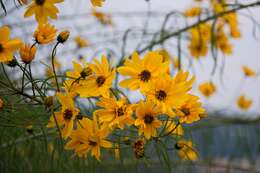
63, 36
27, 53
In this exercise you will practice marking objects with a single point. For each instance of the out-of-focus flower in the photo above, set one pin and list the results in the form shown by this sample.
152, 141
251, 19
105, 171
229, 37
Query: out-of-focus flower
115, 113
248, 72
80, 42
207, 88
174, 129
1, 104
191, 110
142, 71
244, 103
42, 9
97, 3
7, 46
193, 12
45, 34
147, 121
103, 18
186, 150
139, 148
27, 53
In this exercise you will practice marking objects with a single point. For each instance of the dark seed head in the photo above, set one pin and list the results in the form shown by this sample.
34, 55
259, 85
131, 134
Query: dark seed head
120, 111
148, 119
67, 114
161, 95
100, 80
178, 146
186, 111
92, 143
1, 48
145, 76
39, 2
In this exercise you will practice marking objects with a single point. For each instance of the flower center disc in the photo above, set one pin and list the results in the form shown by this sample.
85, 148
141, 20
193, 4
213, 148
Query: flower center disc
67, 114
1, 48
148, 119
161, 95
92, 143
100, 80
145, 76
186, 111
39, 2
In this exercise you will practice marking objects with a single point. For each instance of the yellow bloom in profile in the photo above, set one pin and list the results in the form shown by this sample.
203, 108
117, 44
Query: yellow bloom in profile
27, 53
198, 48
191, 110
80, 42
222, 41
97, 3
45, 33
7, 46
115, 113
186, 150
88, 137
100, 82
139, 148
193, 12
79, 71
207, 88
169, 93
103, 18
65, 118
244, 103
147, 121
248, 72
42, 9
142, 71
174, 129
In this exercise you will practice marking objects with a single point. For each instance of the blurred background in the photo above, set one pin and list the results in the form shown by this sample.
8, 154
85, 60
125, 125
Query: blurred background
227, 141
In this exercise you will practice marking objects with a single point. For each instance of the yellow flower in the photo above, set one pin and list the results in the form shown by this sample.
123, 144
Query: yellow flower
170, 93
115, 113
207, 88
7, 47
27, 53
100, 82
198, 48
146, 113
222, 41
139, 148
193, 12
97, 3
42, 9
65, 118
232, 21
191, 110
186, 150
1, 104
244, 103
45, 34
88, 138
248, 72
103, 18
143, 71
80, 42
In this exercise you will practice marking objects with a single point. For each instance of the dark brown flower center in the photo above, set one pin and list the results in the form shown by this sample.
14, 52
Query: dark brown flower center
92, 143
39, 2
178, 146
67, 114
1, 48
85, 73
161, 95
145, 76
186, 111
100, 80
148, 119
120, 112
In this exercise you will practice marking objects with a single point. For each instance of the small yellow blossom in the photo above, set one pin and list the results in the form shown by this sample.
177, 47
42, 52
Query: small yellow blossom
207, 88
248, 72
193, 12
244, 103
97, 3
80, 42
7, 46
42, 9
27, 53
45, 34
186, 150
103, 18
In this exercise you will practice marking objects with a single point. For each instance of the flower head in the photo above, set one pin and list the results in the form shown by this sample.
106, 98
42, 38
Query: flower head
97, 3
45, 34
115, 113
244, 103
66, 116
207, 88
80, 42
42, 9
99, 83
142, 71
7, 46
63, 36
191, 110
248, 72
88, 137
147, 121
103, 18
27, 53
193, 12
186, 150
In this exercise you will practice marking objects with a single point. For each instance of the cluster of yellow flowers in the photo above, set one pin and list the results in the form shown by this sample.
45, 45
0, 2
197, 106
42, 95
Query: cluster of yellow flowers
205, 34
167, 104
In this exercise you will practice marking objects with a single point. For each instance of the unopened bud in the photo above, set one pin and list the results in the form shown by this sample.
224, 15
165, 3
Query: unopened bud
63, 36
